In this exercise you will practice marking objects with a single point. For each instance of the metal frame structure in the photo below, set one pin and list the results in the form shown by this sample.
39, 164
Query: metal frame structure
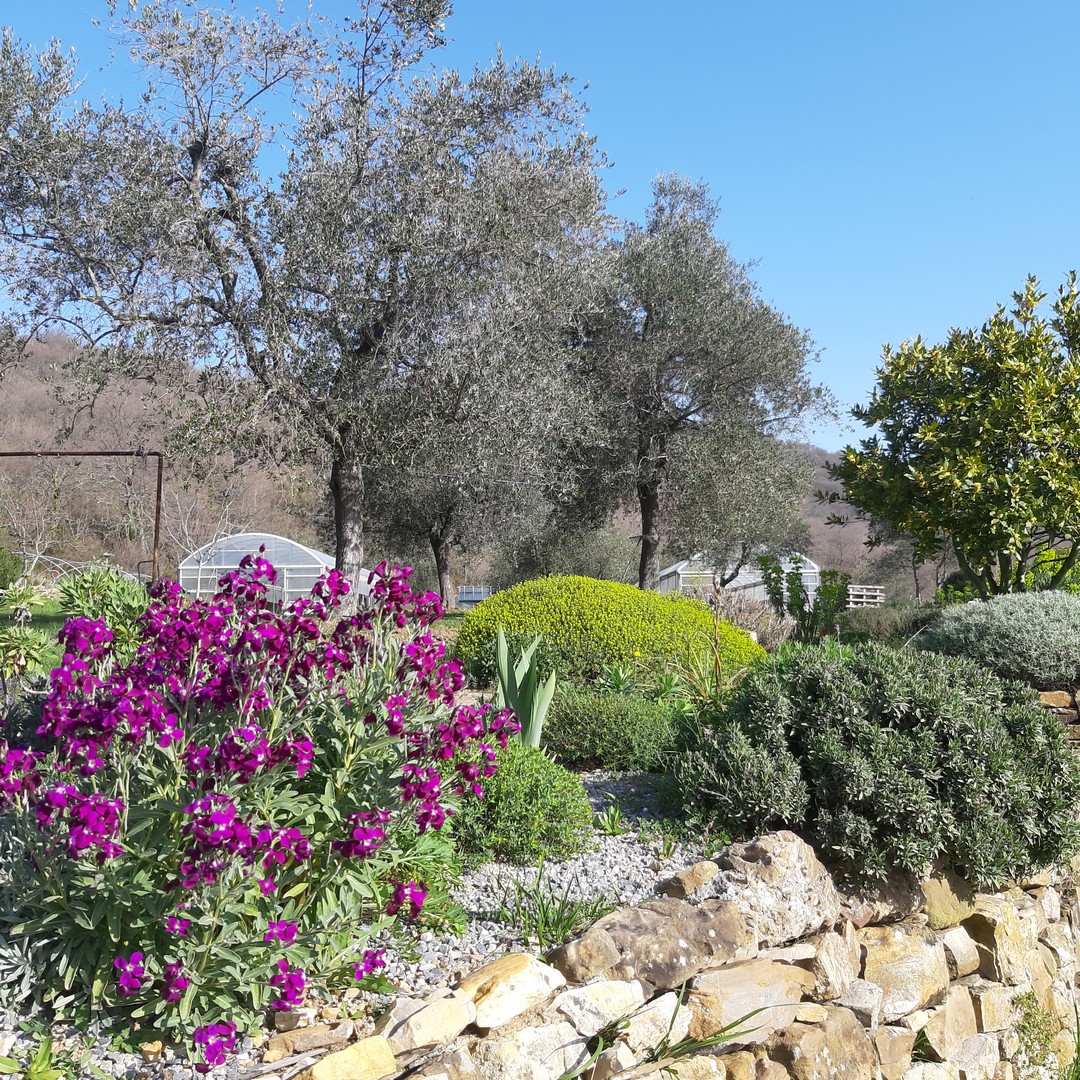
144, 454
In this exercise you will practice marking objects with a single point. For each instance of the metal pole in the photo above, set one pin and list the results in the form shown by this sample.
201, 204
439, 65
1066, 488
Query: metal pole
144, 454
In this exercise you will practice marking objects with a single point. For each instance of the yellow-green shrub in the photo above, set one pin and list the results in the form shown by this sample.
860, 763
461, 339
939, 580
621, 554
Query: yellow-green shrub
588, 625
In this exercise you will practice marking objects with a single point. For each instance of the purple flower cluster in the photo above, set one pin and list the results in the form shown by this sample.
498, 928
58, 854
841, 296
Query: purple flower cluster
223, 694
371, 960
92, 821
290, 982
131, 973
408, 894
216, 1041
174, 982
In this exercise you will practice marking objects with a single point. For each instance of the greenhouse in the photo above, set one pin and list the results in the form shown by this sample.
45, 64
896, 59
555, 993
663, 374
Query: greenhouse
298, 566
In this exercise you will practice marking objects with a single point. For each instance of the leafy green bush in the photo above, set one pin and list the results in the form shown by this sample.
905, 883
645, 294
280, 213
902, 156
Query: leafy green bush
532, 809
1034, 637
599, 728
589, 625
103, 592
889, 760
894, 624
11, 565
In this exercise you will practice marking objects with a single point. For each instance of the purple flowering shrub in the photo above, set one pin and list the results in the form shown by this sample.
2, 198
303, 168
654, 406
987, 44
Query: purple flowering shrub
224, 818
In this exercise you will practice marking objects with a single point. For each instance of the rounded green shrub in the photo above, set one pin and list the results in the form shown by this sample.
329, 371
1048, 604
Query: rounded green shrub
532, 809
1031, 636
588, 625
889, 760
602, 729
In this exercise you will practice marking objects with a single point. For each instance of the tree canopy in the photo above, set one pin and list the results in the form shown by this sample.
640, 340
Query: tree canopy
979, 443
697, 375
349, 251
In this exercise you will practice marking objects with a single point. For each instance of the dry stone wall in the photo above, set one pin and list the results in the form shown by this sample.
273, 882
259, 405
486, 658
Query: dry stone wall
923, 982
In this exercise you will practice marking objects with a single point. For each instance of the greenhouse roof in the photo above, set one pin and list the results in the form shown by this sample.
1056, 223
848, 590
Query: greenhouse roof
298, 565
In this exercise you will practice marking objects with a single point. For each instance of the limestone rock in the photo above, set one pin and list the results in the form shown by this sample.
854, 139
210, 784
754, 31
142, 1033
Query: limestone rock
947, 899
663, 1017
585, 957
593, 1007
993, 1004
782, 888
740, 1065
1049, 899
810, 1012
666, 942
1063, 1047
440, 1021
893, 1046
837, 1049
864, 999
932, 1070
961, 953
1056, 699
456, 1064
303, 1040
997, 932
151, 1052
908, 963
687, 882
767, 1069
615, 1059
898, 898
1004, 1071
533, 1053
721, 997
835, 964
949, 1025
366, 1059
978, 1058
506, 987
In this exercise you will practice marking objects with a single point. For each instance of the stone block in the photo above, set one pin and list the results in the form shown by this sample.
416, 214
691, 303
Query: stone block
949, 1025
438, 1022
1000, 938
507, 987
947, 899
662, 1018
366, 1059
893, 1046
909, 965
666, 942
593, 1007
978, 1058
303, 1040
993, 1004
687, 882
585, 957
723, 996
961, 953
836, 962
864, 1000
837, 1049
533, 1053
781, 887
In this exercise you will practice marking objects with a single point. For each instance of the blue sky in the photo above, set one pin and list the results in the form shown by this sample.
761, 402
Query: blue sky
893, 169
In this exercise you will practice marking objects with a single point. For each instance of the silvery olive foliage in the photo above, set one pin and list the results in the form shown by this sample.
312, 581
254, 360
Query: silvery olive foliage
346, 255
697, 375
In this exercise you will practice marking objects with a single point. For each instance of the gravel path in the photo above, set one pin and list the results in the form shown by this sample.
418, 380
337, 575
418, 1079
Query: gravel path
622, 869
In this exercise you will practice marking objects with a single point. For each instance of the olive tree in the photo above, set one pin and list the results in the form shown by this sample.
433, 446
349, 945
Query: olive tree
687, 350
979, 446
344, 247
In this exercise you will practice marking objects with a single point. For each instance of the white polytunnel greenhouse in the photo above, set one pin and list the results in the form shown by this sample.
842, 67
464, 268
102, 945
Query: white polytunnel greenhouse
298, 566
